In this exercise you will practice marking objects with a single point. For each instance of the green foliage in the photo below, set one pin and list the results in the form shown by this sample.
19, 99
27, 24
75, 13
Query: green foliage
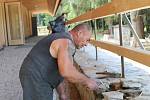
43, 19
74, 8
146, 16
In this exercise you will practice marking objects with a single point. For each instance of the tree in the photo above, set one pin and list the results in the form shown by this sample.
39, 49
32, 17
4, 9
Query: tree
137, 22
43, 19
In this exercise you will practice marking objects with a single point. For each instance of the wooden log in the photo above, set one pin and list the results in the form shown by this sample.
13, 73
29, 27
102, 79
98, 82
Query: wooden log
115, 86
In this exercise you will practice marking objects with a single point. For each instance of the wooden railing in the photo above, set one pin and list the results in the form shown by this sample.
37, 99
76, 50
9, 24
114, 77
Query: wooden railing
115, 7
140, 56
112, 8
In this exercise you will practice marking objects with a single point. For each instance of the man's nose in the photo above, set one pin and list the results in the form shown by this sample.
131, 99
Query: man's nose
85, 43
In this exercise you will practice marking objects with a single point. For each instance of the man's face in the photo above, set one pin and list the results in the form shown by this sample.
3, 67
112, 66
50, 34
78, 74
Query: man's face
83, 38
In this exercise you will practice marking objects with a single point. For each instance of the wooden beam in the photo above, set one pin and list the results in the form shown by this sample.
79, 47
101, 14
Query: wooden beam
56, 6
109, 9
140, 56
53, 5
40, 11
9, 0
3, 40
36, 6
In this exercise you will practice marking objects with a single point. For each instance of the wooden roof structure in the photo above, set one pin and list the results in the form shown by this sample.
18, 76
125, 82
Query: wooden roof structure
110, 9
39, 6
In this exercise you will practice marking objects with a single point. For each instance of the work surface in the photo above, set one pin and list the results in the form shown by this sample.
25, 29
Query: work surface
106, 71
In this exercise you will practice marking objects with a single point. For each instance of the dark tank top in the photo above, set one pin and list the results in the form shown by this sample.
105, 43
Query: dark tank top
43, 62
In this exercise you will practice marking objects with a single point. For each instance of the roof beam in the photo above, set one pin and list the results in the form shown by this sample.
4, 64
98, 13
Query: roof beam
53, 6
40, 11
35, 5
9, 0
109, 9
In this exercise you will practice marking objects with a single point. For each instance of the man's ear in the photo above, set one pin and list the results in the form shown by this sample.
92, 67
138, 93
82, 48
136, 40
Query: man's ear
79, 33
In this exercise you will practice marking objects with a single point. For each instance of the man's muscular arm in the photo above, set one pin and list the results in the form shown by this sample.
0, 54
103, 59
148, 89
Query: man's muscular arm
68, 71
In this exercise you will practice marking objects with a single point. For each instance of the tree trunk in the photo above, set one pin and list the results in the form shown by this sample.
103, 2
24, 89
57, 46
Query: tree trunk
138, 24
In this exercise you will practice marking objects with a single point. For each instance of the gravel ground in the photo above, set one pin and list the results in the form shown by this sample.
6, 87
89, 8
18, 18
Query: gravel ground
10, 61
11, 58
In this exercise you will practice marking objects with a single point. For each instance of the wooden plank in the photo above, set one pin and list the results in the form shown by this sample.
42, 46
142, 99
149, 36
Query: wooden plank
140, 56
39, 6
30, 22
3, 25
56, 6
36, 5
1, 1
8, 0
53, 5
26, 21
40, 11
112, 8
14, 24
3, 37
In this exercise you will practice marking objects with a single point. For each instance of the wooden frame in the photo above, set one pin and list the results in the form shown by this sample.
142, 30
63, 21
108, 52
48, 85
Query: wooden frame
25, 17
10, 0
21, 40
109, 9
53, 6
112, 8
140, 56
36, 6
30, 22
3, 25
56, 6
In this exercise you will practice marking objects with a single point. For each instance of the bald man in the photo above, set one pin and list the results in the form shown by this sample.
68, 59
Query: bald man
50, 62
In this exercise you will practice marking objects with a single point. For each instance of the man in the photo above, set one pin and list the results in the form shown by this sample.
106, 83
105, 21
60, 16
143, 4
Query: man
49, 63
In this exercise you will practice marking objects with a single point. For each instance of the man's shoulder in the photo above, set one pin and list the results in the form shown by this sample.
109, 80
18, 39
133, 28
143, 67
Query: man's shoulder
62, 42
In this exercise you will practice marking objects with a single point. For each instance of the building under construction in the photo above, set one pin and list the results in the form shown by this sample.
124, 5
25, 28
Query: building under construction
110, 64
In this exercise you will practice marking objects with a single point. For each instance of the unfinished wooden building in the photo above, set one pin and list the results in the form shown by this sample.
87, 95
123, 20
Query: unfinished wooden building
16, 18
16, 25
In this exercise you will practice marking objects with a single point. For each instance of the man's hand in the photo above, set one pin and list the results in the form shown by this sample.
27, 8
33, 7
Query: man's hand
62, 91
92, 85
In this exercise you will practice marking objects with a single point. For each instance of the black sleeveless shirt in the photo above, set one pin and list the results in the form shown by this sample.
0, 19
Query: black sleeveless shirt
42, 61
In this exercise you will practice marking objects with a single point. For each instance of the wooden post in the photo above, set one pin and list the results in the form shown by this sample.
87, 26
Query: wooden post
3, 36
121, 44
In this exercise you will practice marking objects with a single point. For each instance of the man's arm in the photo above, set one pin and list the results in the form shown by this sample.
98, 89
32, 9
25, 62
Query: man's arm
68, 71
